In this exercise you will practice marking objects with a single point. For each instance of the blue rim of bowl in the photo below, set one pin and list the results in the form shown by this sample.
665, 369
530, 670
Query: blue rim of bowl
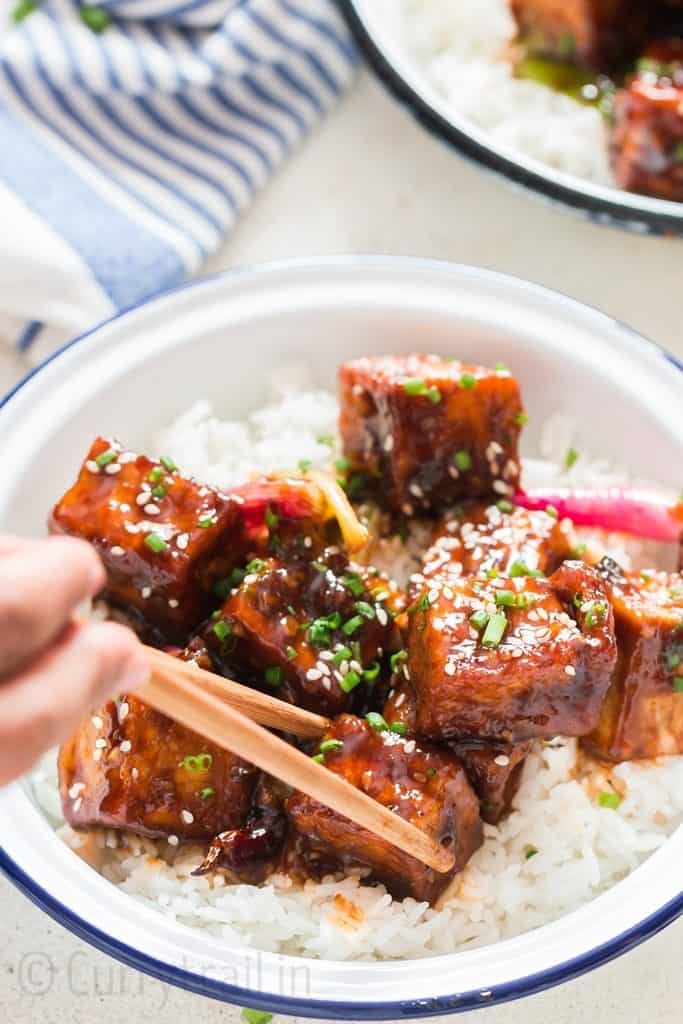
629, 215
459, 1002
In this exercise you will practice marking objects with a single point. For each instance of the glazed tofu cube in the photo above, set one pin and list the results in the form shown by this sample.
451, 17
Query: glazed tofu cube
154, 530
480, 539
425, 786
309, 631
495, 772
130, 767
430, 430
642, 715
592, 33
646, 144
493, 769
510, 659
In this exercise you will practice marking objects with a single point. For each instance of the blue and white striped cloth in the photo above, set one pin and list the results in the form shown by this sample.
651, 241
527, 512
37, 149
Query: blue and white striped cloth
126, 156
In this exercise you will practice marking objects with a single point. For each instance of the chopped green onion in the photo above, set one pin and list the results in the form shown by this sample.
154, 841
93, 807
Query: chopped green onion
330, 745
342, 464
530, 852
521, 419
571, 458
95, 18
424, 603
159, 491
501, 368
155, 475
256, 1016
354, 583
678, 153
155, 543
495, 629
492, 574
222, 588
365, 609
197, 762
223, 630
419, 387
551, 511
371, 672
327, 439
579, 551
673, 660
318, 758
104, 458
595, 613
468, 381
397, 659
343, 654
611, 800
506, 598
352, 625
678, 684
504, 505
479, 619
400, 728
304, 465
271, 517
376, 721
519, 568
206, 521
206, 793
273, 675
463, 460
291, 653
256, 565
350, 681
355, 484
168, 463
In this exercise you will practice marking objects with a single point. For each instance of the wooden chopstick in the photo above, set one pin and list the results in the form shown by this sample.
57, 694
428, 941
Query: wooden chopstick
261, 707
177, 696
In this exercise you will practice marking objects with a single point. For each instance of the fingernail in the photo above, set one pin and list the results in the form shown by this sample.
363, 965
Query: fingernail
135, 673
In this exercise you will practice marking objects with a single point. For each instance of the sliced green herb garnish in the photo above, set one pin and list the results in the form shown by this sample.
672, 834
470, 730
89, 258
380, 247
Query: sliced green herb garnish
23, 9
677, 684
155, 475
197, 762
354, 583
551, 511
371, 672
343, 654
530, 852
400, 728
468, 381
365, 609
155, 543
223, 630
104, 458
504, 505
327, 439
595, 613
342, 464
273, 676
206, 793
463, 461
611, 800
421, 388
206, 521
521, 419
256, 566
397, 659
353, 624
376, 721
350, 681
168, 463
96, 18
579, 551
159, 491
505, 598
495, 629
479, 619
318, 758
571, 458
256, 1016
327, 745
271, 517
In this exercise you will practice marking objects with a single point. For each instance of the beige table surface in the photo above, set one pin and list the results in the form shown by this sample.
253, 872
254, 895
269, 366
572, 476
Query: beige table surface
372, 181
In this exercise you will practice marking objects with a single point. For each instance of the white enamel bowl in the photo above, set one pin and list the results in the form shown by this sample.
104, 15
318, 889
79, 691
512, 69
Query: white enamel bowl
217, 338
376, 37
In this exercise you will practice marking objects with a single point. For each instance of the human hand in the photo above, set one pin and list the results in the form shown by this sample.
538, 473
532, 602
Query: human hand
52, 670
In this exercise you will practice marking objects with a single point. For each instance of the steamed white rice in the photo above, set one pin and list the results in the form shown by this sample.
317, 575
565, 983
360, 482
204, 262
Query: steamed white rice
460, 50
580, 847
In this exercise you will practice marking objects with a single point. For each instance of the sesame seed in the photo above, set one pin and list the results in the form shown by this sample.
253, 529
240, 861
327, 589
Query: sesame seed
570, 670
389, 443
326, 655
407, 509
146, 592
416, 491
124, 507
123, 709
453, 472
77, 788
308, 542
112, 469
100, 742
409, 747
92, 466
77, 804
125, 457
502, 761
126, 745
313, 674
357, 389
97, 721
173, 840
382, 617
131, 527
518, 652
151, 509
433, 595
450, 668
323, 668
187, 816
356, 666
182, 540
134, 773
399, 700
142, 498
116, 551
96, 754
173, 602
501, 488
